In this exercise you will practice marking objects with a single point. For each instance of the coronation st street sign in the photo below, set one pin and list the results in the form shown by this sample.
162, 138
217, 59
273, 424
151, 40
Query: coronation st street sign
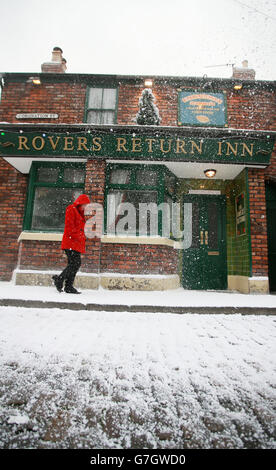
134, 147
37, 116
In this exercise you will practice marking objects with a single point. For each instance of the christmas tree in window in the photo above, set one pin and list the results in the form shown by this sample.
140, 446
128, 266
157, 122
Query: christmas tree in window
148, 114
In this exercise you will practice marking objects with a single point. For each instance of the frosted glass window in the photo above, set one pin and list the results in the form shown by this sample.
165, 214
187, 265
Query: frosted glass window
135, 198
47, 175
52, 187
146, 178
138, 184
120, 176
102, 104
49, 207
94, 117
109, 98
101, 117
95, 98
73, 175
107, 117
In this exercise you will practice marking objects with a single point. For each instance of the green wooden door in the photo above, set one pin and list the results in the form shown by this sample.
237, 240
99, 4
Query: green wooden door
204, 263
271, 235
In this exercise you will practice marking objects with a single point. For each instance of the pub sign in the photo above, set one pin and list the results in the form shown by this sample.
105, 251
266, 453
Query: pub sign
202, 109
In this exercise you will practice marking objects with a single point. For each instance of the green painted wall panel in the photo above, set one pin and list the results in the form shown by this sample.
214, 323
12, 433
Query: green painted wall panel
238, 247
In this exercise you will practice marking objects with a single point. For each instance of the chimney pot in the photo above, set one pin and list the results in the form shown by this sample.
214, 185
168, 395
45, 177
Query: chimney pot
243, 73
57, 54
57, 64
63, 63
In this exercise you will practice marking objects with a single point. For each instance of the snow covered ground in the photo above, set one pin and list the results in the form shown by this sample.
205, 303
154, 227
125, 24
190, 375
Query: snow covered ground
136, 380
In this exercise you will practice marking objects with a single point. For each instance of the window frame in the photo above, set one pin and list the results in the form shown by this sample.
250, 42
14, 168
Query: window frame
87, 109
160, 186
33, 183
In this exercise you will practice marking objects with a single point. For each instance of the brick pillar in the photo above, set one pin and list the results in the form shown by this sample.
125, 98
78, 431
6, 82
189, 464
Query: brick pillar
94, 188
13, 189
256, 184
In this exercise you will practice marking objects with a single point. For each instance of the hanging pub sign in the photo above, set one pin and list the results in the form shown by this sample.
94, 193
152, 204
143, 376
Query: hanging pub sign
240, 215
201, 109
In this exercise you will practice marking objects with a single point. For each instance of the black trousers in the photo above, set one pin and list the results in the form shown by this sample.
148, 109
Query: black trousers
74, 263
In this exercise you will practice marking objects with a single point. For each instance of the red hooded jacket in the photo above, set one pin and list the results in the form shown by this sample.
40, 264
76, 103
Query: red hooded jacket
73, 236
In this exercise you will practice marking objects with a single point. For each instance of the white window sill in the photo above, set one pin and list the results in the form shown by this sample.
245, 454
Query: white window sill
134, 240
43, 236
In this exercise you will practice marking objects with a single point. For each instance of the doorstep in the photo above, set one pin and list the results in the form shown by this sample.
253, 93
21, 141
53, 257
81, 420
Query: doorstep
113, 281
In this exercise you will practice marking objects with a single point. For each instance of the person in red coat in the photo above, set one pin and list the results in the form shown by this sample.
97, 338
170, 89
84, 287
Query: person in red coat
73, 243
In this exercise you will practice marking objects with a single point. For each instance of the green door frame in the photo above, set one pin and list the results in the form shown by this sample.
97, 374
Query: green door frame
271, 234
205, 262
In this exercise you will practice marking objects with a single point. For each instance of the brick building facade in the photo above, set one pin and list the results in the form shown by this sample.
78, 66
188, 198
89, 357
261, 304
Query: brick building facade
63, 134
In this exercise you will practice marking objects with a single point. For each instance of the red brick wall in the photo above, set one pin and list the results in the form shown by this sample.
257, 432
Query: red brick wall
36, 254
94, 188
13, 186
102, 257
246, 109
270, 171
251, 109
256, 183
165, 100
138, 259
65, 99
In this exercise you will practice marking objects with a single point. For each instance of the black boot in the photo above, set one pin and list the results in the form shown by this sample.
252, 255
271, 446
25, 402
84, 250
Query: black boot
69, 289
58, 282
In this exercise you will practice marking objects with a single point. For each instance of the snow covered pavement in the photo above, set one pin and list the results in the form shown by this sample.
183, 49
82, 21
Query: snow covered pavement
170, 298
136, 380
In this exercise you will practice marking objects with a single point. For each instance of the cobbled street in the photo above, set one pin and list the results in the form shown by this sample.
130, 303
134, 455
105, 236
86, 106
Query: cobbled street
136, 380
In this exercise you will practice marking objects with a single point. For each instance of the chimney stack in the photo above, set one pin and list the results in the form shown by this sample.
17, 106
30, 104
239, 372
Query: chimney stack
244, 73
58, 63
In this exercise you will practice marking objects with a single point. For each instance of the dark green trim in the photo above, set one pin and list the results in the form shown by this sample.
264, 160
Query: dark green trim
162, 131
248, 221
86, 104
270, 190
29, 200
33, 184
108, 142
213, 83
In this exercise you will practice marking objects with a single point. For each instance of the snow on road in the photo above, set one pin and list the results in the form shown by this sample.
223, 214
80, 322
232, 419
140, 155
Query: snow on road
123, 380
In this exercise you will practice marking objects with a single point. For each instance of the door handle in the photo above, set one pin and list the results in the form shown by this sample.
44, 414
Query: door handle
201, 237
206, 237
